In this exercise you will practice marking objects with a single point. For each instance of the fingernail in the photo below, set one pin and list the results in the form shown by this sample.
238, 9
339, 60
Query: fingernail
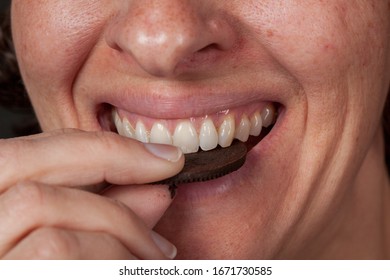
168, 249
167, 152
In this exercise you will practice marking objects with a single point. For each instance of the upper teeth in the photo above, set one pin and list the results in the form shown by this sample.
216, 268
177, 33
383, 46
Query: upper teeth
208, 136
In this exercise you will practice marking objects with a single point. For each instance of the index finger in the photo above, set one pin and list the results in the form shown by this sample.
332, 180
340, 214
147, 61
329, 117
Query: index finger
78, 158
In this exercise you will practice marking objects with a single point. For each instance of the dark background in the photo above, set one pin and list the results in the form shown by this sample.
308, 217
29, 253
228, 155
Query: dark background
4, 4
11, 120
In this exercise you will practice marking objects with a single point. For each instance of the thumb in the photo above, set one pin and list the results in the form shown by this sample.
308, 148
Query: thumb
149, 202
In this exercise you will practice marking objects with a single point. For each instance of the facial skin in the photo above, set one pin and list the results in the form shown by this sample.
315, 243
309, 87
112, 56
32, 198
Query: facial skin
315, 187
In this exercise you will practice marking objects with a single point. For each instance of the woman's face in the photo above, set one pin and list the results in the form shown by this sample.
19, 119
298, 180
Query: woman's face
323, 64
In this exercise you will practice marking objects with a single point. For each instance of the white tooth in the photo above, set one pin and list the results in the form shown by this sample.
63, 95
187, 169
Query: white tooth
117, 122
208, 136
226, 131
268, 115
141, 133
242, 132
160, 134
256, 124
127, 129
186, 138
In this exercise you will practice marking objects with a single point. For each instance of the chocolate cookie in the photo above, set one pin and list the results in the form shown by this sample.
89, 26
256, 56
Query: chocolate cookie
203, 166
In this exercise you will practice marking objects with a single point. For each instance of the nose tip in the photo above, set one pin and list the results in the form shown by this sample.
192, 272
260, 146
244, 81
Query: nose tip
161, 35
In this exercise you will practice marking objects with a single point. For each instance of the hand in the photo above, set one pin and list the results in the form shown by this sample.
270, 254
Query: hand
46, 213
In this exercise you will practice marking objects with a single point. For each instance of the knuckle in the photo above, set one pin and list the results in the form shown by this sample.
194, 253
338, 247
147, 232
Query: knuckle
53, 243
23, 199
123, 212
107, 141
66, 130
106, 238
28, 193
10, 158
6, 150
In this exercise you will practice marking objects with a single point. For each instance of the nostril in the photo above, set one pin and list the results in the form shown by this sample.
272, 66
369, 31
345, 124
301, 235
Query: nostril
203, 56
210, 47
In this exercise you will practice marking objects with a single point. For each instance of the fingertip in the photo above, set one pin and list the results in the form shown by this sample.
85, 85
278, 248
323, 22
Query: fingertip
151, 162
166, 152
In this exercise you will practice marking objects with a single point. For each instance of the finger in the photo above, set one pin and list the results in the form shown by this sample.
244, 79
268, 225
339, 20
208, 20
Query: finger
149, 202
34, 205
80, 158
55, 243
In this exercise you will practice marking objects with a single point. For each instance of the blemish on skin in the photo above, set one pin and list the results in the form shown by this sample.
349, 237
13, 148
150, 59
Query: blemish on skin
328, 47
270, 33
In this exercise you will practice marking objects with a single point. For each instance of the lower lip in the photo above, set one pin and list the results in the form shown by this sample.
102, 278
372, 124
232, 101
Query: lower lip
201, 192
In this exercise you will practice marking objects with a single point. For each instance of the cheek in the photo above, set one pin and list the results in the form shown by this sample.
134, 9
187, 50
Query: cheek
59, 36
336, 51
310, 42
320, 40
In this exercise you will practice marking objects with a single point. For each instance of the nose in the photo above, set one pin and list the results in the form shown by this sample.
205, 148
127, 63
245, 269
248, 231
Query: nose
162, 35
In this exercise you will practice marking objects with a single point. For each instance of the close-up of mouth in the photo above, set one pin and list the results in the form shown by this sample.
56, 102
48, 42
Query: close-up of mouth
203, 133
214, 145
225, 131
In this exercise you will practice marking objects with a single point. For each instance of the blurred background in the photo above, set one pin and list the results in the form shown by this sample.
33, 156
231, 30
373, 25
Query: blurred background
4, 4
12, 121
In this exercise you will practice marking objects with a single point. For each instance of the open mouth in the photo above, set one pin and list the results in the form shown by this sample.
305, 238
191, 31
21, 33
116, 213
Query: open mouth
198, 133
214, 145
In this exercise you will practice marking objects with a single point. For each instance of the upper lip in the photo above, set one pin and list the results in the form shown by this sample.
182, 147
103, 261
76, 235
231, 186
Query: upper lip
179, 101
193, 94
